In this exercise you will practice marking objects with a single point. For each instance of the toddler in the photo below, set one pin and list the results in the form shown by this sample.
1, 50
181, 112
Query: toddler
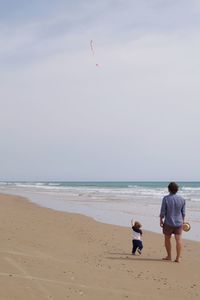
137, 237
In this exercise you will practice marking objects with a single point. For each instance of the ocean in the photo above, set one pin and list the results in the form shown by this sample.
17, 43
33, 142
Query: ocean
111, 202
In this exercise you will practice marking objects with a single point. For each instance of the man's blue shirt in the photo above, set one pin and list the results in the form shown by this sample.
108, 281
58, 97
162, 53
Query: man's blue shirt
173, 210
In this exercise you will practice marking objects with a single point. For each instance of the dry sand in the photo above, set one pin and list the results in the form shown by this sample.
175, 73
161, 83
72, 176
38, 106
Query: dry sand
46, 254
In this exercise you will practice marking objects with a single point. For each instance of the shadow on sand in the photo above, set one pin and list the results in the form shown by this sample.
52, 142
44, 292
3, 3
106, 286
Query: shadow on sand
128, 256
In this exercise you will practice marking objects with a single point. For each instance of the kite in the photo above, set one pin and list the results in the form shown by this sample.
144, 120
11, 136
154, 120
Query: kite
93, 50
92, 47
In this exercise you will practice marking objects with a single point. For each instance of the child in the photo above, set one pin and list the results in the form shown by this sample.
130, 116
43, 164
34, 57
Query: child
137, 235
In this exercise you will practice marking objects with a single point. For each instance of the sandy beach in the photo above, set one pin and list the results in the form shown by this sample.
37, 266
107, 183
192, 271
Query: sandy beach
46, 254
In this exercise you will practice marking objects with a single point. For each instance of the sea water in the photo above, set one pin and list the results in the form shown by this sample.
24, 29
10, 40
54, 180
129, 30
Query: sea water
111, 202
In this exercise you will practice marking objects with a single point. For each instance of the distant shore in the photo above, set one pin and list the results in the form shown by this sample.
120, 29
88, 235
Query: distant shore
46, 254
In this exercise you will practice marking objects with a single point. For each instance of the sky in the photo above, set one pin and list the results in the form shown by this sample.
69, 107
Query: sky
127, 111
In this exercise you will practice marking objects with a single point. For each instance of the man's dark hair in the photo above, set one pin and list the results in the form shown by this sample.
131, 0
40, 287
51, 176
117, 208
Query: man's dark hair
173, 187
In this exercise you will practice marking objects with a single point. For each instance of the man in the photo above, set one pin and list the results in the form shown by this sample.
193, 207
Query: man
172, 216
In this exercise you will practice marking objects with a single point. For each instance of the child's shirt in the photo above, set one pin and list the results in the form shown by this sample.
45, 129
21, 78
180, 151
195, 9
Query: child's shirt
137, 233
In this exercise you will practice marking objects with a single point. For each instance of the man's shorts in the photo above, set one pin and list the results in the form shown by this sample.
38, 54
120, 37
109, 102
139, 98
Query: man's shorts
169, 230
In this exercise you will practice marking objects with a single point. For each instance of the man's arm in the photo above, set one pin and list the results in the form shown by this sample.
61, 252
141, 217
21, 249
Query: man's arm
183, 211
161, 221
162, 212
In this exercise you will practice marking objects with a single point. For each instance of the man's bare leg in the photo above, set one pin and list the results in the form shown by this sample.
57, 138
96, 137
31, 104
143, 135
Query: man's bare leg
178, 239
168, 247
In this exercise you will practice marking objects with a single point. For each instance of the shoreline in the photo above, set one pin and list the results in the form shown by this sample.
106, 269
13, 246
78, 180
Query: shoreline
26, 199
106, 215
48, 254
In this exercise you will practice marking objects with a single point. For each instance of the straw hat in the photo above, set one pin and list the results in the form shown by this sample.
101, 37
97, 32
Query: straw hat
186, 226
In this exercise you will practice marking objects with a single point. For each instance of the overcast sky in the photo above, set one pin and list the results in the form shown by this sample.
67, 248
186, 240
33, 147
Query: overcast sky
135, 116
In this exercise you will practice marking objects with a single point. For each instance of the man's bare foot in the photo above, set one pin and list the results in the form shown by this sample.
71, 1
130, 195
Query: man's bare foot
177, 260
167, 258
